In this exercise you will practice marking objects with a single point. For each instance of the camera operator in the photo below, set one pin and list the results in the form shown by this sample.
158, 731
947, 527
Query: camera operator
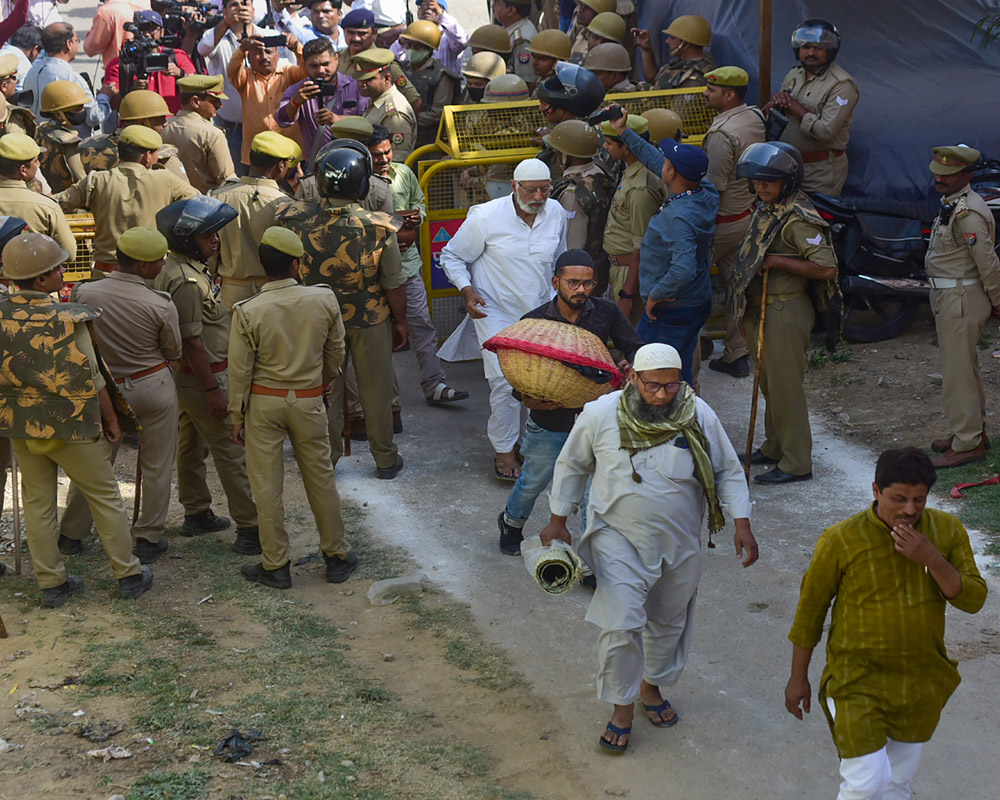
164, 83
324, 97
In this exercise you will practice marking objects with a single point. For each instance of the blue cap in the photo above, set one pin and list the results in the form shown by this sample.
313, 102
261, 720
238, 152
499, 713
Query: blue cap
149, 17
359, 18
442, 3
690, 161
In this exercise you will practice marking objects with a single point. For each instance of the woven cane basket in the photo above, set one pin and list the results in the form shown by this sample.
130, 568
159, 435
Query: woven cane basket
555, 361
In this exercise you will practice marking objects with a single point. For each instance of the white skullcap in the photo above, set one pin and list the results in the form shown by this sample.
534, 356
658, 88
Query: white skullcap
531, 169
656, 356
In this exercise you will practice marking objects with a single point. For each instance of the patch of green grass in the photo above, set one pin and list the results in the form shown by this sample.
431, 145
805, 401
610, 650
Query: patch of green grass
820, 357
158, 785
980, 505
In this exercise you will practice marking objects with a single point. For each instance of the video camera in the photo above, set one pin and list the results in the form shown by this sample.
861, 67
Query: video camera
139, 57
176, 12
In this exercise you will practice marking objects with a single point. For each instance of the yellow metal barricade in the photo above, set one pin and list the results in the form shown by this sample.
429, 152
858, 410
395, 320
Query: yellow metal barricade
79, 268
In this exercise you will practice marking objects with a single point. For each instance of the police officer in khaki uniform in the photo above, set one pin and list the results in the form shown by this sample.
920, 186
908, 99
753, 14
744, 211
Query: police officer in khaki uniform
586, 12
19, 164
359, 31
818, 97
126, 196
201, 146
8, 75
388, 107
255, 197
547, 49
438, 86
191, 227
287, 342
138, 334
965, 289
68, 420
13, 118
513, 16
638, 197
736, 126
611, 64
790, 241
687, 38
62, 107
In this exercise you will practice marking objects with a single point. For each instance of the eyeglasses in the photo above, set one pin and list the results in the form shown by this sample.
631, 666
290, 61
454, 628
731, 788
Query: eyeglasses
543, 190
653, 388
576, 283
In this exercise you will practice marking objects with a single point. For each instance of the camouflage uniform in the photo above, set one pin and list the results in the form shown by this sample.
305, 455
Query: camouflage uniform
586, 193
438, 88
101, 152
49, 408
679, 74
60, 162
355, 252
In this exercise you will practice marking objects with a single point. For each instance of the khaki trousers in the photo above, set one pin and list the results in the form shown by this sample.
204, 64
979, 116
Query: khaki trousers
199, 436
786, 341
88, 465
233, 292
269, 421
960, 315
154, 401
370, 350
4, 465
616, 282
728, 236
827, 176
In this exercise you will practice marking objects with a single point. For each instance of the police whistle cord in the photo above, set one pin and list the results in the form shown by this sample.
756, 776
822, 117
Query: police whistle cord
956, 490
756, 376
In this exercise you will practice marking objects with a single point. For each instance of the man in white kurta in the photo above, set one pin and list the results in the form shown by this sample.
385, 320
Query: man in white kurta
644, 521
501, 260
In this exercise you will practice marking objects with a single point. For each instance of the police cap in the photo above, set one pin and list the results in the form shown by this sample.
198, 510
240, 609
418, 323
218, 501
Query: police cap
357, 128
143, 244
8, 65
202, 84
947, 160
141, 136
358, 19
283, 240
727, 76
634, 122
18, 147
271, 143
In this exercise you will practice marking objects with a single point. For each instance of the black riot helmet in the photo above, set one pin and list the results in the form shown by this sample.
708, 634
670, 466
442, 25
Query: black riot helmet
9, 228
772, 161
820, 32
344, 171
574, 89
180, 221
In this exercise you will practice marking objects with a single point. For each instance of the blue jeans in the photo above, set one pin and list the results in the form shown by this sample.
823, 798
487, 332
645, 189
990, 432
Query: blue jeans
234, 138
678, 327
540, 448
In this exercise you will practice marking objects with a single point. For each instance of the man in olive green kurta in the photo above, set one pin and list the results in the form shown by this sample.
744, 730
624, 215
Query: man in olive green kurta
891, 569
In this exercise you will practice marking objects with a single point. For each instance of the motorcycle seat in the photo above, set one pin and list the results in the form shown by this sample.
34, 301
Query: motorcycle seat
923, 210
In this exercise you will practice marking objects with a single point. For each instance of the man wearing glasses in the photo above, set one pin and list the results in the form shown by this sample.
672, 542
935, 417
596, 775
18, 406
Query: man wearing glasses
549, 423
656, 456
501, 261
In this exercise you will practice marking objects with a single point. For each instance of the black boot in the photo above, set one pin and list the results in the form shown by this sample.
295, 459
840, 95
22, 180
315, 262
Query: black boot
58, 595
339, 569
510, 537
148, 552
740, 368
134, 586
203, 522
280, 578
70, 547
247, 541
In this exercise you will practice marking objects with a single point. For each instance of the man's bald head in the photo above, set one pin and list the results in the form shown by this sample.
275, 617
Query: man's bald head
58, 39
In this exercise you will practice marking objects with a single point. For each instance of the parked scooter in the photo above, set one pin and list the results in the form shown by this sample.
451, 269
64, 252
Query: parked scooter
880, 245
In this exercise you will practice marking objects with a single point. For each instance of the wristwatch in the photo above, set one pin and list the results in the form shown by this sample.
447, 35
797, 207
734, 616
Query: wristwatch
625, 295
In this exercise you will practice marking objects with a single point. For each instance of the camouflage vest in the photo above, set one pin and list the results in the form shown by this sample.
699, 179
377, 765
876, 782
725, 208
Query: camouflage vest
594, 194
46, 386
684, 74
101, 152
55, 137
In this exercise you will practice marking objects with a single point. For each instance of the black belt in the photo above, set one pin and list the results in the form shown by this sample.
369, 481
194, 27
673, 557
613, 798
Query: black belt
227, 124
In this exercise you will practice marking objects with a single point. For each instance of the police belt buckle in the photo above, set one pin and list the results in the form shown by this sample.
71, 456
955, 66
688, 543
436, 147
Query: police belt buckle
952, 283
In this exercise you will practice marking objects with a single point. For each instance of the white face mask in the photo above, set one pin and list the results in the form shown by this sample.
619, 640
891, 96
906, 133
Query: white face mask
417, 56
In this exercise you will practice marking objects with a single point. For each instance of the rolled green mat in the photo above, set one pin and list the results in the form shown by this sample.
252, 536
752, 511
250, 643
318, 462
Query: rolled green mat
555, 568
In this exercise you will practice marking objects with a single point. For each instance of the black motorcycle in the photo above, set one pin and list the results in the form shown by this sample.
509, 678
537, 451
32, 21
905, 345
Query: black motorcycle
880, 245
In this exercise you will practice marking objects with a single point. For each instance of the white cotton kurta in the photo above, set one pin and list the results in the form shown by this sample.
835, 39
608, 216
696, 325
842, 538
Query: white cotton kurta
642, 540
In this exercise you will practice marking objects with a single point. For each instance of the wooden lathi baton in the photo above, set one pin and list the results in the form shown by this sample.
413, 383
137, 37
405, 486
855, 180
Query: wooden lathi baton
15, 496
756, 376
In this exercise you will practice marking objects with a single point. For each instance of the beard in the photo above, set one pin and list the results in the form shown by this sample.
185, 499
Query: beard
528, 208
647, 412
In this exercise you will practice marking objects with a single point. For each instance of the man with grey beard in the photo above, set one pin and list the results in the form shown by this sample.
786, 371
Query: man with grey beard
657, 455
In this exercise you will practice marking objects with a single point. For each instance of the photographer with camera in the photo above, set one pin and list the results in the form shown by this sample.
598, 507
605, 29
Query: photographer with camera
325, 97
144, 63
107, 31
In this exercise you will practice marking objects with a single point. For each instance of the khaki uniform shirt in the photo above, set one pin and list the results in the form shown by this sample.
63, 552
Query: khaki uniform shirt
399, 79
379, 197
200, 311
138, 327
521, 33
202, 148
255, 200
42, 213
730, 134
577, 221
638, 198
830, 97
121, 198
287, 336
800, 239
963, 248
392, 111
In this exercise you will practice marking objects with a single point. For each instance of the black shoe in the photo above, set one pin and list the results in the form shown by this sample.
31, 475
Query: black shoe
203, 522
510, 537
780, 476
70, 547
134, 586
397, 421
757, 457
589, 582
339, 569
3, 569
247, 541
58, 595
740, 368
706, 346
148, 552
359, 431
280, 578
388, 473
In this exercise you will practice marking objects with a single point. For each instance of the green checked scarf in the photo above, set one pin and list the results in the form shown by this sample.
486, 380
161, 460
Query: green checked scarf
637, 434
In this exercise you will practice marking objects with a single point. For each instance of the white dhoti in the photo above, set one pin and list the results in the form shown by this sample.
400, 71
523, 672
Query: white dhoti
645, 612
